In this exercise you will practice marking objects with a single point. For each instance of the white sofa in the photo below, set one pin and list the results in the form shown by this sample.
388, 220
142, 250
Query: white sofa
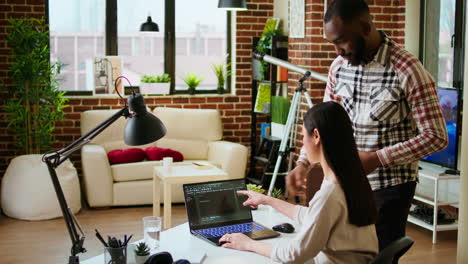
195, 133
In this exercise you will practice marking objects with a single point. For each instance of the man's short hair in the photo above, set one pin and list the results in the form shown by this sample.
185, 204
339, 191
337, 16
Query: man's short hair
346, 10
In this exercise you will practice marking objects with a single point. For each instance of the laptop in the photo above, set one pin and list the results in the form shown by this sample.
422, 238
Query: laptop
215, 209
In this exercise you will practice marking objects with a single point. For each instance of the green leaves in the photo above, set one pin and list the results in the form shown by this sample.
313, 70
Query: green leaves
36, 103
192, 80
163, 78
221, 73
142, 249
255, 188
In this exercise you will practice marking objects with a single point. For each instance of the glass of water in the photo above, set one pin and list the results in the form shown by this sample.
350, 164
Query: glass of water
152, 230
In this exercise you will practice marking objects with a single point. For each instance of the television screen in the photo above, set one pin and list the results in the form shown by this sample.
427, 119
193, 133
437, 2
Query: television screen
447, 157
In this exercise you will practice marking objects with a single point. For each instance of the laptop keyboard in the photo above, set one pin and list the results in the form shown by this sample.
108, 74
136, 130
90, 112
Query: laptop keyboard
220, 231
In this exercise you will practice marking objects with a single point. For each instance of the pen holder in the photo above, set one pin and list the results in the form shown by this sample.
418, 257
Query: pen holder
115, 255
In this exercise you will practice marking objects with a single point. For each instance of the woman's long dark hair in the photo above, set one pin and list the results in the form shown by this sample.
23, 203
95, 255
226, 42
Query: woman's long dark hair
340, 151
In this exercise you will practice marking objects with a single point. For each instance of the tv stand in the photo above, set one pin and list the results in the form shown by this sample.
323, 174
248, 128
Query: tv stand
435, 174
452, 172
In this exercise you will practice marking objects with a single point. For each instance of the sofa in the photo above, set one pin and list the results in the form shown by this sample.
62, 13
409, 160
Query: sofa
196, 133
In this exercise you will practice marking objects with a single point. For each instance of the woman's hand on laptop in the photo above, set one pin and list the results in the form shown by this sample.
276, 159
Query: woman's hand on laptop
242, 242
254, 198
237, 241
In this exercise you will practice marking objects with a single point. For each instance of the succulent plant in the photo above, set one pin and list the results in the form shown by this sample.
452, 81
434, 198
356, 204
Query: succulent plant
142, 249
276, 193
256, 188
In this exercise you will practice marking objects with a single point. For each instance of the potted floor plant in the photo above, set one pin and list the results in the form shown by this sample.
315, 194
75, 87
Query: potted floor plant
192, 81
32, 110
155, 84
221, 73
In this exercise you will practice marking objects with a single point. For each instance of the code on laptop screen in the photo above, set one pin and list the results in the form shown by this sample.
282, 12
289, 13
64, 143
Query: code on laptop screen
216, 202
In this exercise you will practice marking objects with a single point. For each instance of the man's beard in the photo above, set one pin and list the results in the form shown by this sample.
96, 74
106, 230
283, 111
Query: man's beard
358, 56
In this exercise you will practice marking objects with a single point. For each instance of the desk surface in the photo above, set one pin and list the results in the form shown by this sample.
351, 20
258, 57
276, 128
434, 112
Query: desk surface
178, 240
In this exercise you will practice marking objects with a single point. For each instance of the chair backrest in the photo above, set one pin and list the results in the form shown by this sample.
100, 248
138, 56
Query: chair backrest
394, 251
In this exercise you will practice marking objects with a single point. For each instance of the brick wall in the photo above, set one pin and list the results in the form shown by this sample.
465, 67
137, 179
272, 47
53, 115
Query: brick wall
315, 53
235, 109
311, 52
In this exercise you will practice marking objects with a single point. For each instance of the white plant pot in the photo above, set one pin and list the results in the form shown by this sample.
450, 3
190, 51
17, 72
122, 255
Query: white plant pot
141, 259
155, 88
277, 130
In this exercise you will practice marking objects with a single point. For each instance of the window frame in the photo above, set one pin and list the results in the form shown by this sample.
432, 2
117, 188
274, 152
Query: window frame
111, 44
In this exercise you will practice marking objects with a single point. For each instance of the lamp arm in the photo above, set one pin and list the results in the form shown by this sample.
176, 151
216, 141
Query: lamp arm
54, 159
61, 155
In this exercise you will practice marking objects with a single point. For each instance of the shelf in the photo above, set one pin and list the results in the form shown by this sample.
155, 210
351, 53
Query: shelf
425, 225
430, 201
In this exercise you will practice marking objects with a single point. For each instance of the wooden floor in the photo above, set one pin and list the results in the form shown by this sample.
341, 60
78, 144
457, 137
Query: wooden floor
48, 241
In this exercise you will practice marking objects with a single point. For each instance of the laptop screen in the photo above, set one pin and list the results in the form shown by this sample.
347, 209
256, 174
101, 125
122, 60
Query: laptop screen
212, 204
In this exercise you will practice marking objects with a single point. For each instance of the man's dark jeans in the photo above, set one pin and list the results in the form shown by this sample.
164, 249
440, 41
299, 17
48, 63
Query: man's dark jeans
393, 204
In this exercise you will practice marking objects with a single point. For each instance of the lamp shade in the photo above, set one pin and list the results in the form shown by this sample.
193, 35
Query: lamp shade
233, 4
149, 25
143, 127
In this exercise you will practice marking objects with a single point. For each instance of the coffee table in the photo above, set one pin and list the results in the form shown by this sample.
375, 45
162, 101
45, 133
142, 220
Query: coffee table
180, 243
184, 173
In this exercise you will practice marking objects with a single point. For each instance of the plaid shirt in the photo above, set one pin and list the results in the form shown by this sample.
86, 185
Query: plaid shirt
393, 106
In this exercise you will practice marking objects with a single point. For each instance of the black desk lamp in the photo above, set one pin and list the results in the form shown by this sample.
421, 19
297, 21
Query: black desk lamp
142, 128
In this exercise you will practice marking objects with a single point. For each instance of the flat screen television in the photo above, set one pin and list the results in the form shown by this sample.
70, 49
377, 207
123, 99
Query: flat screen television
448, 157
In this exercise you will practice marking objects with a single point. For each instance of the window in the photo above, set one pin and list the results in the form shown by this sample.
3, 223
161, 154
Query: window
201, 40
193, 35
76, 37
441, 53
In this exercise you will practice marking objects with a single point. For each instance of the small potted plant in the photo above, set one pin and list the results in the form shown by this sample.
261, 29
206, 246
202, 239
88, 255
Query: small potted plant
255, 188
155, 84
142, 253
192, 80
276, 193
221, 73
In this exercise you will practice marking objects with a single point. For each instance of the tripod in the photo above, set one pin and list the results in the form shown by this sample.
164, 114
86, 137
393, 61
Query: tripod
293, 115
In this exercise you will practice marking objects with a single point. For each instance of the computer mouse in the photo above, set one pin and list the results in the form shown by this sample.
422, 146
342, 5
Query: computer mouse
284, 228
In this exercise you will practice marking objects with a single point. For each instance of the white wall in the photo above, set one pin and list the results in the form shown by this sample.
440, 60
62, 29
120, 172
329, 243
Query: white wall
281, 10
412, 17
462, 243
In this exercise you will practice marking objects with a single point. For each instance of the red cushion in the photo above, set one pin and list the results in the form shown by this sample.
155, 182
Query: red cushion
155, 153
119, 156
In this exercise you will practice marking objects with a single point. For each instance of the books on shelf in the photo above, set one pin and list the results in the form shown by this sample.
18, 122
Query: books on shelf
265, 129
263, 100
282, 74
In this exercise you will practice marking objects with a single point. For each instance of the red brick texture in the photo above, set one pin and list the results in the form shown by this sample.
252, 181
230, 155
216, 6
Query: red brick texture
315, 53
235, 109
310, 52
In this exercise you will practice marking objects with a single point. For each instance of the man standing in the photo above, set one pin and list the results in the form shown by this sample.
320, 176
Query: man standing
393, 105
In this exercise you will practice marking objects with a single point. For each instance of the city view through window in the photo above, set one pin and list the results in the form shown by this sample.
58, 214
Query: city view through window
77, 38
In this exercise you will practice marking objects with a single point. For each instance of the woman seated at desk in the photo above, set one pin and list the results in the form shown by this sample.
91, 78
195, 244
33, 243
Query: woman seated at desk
338, 226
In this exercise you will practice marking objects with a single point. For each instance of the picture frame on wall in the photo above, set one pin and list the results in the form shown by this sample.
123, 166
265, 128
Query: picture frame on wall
297, 18
105, 71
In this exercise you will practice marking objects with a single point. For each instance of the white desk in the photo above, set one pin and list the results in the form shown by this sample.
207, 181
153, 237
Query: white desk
184, 173
179, 239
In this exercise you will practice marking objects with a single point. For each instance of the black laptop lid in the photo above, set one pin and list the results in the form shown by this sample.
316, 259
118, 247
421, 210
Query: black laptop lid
212, 204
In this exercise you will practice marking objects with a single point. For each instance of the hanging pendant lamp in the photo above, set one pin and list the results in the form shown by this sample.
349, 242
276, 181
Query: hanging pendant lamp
149, 25
233, 4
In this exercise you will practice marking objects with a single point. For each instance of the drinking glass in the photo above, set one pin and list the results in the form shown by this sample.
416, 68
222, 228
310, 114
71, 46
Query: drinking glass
152, 230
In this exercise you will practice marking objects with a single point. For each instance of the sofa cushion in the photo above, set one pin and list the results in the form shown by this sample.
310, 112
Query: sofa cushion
119, 156
191, 124
191, 149
140, 170
155, 153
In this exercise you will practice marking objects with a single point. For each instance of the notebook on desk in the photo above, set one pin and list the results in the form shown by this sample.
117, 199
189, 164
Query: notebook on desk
215, 209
